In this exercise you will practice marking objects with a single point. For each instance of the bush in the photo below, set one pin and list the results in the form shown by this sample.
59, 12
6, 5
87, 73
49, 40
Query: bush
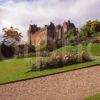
85, 57
56, 60
40, 64
65, 58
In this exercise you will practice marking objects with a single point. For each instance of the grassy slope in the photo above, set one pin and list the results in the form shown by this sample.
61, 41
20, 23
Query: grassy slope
96, 97
94, 49
12, 70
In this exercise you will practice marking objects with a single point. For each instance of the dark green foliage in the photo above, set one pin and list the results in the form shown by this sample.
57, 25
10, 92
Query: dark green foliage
24, 50
31, 48
71, 32
71, 37
7, 51
58, 42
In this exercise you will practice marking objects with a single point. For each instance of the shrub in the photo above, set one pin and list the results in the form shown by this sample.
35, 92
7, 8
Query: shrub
56, 56
31, 48
86, 57
55, 61
40, 64
65, 58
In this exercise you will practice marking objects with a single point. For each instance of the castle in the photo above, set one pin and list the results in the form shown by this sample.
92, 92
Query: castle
48, 33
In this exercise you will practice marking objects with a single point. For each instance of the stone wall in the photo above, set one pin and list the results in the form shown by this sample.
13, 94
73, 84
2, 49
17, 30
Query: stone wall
39, 36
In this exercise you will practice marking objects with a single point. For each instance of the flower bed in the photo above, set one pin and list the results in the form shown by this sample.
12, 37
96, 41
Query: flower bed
59, 60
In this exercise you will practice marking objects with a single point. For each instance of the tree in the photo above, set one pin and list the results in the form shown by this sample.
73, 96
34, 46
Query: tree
90, 28
7, 51
71, 36
11, 36
58, 42
71, 32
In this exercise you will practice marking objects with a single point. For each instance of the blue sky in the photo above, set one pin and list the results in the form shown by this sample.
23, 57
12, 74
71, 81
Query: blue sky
20, 13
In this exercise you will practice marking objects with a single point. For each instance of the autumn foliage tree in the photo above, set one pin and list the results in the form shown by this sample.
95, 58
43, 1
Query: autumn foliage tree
11, 36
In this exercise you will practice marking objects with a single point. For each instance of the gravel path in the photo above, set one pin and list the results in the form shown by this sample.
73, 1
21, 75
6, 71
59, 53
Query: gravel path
73, 85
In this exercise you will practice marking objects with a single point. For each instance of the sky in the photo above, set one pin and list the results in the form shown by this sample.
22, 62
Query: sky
22, 13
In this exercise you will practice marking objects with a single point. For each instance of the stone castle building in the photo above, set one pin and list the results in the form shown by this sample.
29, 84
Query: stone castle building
48, 33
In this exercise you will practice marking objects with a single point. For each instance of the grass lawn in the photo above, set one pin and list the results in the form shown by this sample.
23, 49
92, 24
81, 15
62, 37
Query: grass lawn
94, 49
16, 69
96, 97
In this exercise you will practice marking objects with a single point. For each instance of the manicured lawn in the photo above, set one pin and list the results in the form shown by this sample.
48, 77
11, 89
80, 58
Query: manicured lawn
96, 49
96, 97
16, 69
13, 70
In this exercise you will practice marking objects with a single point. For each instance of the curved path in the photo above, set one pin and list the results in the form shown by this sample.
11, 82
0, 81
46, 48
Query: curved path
73, 85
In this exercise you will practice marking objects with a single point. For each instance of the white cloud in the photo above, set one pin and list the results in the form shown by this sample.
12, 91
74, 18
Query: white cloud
20, 13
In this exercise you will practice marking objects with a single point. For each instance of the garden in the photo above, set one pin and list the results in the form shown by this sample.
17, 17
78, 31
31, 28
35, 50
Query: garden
12, 70
76, 51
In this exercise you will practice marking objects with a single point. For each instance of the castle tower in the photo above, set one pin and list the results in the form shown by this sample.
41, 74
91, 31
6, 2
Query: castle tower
59, 31
32, 30
51, 30
65, 27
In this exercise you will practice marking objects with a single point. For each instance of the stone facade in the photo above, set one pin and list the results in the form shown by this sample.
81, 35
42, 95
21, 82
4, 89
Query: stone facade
48, 33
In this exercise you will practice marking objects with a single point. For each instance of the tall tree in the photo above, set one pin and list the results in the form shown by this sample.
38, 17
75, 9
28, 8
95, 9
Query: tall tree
11, 38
